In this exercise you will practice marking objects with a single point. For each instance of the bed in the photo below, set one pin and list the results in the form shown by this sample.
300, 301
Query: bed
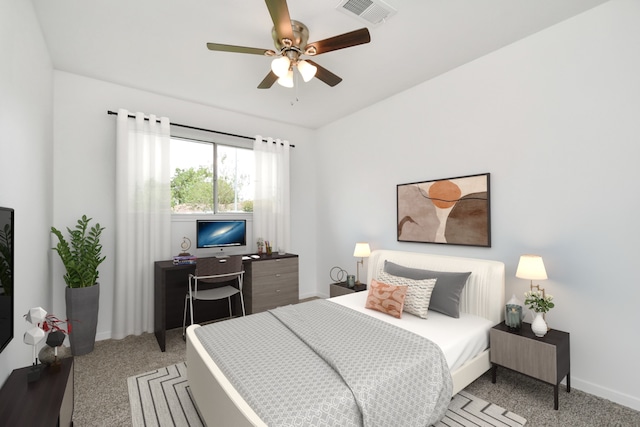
223, 399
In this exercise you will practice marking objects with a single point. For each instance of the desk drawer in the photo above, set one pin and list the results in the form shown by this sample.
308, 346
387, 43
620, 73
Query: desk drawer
274, 267
271, 283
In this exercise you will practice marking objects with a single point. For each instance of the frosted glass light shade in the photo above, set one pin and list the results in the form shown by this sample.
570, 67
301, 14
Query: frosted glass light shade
33, 336
287, 80
280, 66
307, 70
362, 250
36, 315
531, 267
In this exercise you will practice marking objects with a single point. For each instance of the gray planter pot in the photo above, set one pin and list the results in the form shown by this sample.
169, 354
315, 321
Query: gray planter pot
82, 312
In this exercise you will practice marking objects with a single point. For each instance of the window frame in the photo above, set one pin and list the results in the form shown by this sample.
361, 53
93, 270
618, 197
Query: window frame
202, 136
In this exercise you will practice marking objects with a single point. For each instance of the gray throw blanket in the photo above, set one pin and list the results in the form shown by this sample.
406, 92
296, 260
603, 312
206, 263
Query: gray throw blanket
323, 364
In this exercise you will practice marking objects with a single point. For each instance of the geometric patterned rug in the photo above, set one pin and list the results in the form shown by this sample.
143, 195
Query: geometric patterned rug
161, 398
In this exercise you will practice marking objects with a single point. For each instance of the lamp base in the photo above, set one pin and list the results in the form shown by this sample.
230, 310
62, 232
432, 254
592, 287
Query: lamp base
34, 373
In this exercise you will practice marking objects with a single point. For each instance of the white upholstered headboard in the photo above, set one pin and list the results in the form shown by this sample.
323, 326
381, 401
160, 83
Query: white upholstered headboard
483, 295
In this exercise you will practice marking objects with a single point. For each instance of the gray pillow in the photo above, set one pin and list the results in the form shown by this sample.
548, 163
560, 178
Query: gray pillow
445, 297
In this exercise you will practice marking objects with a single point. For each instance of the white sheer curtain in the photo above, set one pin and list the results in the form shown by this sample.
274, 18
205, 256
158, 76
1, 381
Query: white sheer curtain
271, 206
143, 218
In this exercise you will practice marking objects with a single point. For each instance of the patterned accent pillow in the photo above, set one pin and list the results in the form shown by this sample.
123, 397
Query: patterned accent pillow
418, 294
388, 299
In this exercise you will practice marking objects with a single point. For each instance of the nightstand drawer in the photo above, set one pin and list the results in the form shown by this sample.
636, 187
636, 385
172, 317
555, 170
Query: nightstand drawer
529, 357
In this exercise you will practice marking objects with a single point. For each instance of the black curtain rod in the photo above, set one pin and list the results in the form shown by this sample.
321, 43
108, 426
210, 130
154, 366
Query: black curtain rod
114, 113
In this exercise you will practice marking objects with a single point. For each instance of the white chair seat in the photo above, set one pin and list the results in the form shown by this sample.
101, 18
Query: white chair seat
218, 293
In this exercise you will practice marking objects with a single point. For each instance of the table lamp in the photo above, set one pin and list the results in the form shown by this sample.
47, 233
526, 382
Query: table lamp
531, 267
362, 251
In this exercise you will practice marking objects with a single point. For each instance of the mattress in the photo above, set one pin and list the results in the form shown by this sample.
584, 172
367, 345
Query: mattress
460, 339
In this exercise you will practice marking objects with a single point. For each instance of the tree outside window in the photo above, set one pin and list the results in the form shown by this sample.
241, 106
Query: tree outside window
199, 187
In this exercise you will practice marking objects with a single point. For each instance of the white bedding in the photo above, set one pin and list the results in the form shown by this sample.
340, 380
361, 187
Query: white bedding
460, 339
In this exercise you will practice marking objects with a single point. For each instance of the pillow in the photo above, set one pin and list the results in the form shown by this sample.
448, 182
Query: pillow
418, 293
388, 299
445, 297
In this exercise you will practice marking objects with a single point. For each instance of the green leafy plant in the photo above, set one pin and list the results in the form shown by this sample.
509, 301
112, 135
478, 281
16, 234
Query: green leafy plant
82, 255
538, 302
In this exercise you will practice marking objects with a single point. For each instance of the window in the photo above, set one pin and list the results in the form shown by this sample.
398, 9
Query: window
210, 178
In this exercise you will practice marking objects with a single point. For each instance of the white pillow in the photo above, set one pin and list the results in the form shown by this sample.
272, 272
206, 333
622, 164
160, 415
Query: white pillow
418, 293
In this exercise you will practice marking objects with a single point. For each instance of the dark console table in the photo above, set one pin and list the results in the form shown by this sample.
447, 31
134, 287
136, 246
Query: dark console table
46, 402
269, 281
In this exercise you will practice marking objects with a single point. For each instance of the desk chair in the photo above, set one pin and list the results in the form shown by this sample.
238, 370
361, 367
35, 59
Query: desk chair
214, 270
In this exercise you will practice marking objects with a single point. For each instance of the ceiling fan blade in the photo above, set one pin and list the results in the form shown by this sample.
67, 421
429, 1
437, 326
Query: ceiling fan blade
279, 12
240, 49
268, 81
353, 38
325, 75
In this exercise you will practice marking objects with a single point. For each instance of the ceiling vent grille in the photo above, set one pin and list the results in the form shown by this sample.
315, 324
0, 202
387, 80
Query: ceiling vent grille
373, 12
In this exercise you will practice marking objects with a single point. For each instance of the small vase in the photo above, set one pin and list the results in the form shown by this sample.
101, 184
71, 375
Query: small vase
539, 326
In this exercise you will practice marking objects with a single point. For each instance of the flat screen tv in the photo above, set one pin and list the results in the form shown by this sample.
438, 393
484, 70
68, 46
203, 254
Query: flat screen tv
6, 276
221, 233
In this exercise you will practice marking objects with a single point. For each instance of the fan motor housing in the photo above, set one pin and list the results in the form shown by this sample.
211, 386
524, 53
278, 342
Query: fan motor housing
300, 36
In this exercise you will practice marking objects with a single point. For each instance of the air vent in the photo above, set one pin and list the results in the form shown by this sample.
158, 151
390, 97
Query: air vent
373, 12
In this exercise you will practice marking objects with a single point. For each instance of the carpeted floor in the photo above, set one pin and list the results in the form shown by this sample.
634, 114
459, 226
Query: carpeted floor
101, 396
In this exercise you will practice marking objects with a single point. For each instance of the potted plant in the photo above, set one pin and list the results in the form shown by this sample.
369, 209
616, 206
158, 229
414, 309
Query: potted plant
81, 256
540, 304
260, 243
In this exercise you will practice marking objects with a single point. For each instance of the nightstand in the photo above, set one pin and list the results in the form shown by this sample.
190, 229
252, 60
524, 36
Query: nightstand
337, 289
546, 359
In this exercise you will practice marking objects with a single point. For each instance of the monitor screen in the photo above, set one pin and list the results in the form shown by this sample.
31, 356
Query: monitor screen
218, 233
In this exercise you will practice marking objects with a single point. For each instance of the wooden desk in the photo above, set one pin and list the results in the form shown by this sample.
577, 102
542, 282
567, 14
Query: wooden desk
46, 402
171, 284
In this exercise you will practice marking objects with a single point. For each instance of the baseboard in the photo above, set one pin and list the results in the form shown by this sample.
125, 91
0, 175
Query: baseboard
606, 393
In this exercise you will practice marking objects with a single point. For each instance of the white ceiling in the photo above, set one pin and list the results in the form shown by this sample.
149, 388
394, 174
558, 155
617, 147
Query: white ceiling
160, 46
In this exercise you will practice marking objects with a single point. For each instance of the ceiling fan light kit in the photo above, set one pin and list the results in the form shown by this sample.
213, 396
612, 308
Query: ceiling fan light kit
290, 39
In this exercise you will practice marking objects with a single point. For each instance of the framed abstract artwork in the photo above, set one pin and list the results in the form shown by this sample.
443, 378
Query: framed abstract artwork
453, 211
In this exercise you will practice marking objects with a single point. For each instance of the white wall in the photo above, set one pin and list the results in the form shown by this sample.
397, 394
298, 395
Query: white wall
84, 176
555, 120
25, 164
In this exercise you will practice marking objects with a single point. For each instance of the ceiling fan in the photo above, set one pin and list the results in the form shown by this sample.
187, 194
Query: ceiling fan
290, 39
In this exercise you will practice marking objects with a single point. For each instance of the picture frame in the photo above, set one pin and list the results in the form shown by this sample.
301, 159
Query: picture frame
451, 211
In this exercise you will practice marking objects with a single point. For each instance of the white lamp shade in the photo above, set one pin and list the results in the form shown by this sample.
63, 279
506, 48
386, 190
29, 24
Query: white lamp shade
280, 66
531, 267
36, 315
307, 71
287, 80
362, 250
33, 336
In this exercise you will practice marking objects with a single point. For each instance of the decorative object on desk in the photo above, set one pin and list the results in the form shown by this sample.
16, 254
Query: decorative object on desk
184, 260
362, 250
185, 246
453, 211
81, 259
260, 243
33, 336
513, 314
268, 247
